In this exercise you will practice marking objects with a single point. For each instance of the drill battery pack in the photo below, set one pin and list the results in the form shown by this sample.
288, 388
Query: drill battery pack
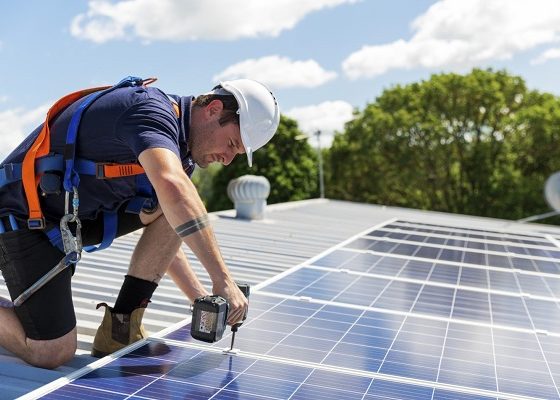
209, 318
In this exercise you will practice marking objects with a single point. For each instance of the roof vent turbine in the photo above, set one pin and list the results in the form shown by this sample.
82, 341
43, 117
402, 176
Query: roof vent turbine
248, 194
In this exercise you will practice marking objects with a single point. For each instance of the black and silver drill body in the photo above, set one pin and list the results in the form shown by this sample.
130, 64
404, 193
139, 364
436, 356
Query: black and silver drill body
209, 317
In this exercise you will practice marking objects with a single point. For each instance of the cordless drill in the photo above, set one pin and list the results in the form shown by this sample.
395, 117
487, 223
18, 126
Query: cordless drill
209, 317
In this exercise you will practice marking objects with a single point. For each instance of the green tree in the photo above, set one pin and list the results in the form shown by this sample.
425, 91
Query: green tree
477, 144
289, 164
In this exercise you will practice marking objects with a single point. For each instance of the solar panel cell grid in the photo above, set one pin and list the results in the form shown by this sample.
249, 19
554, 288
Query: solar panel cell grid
159, 370
459, 256
540, 249
483, 232
418, 320
521, 365
378, 342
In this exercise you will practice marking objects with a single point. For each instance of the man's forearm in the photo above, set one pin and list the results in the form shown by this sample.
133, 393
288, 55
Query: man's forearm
181, 205
173, 189
185, 278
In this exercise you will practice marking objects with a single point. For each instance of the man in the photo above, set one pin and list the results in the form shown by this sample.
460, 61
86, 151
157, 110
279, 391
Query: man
166, 136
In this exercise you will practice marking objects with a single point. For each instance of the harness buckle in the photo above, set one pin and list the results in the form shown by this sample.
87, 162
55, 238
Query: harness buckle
110, 170
36, 223
100, 171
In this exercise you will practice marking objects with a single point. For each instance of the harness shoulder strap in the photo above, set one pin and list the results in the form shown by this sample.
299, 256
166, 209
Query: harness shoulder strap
40, 148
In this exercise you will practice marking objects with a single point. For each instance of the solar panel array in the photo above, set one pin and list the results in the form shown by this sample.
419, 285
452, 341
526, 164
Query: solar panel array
404, 311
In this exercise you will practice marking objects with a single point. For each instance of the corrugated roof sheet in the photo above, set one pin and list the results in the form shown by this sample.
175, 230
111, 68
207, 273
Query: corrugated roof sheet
254, 251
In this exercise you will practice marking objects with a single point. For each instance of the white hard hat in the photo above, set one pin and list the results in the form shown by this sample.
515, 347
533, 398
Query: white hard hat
259, 114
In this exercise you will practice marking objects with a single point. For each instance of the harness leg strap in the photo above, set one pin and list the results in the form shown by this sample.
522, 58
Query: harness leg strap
110, 222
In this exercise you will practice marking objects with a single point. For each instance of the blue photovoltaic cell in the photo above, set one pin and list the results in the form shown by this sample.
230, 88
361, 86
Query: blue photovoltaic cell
544, 314
414, 269
409, 327
473, 277
467, 359
503, 281
434, 301
445, 273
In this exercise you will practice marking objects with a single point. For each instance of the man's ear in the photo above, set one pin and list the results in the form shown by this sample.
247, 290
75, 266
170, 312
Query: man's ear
214, 108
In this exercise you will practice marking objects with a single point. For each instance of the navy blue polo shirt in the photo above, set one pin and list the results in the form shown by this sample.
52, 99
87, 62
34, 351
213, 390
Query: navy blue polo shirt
117, 127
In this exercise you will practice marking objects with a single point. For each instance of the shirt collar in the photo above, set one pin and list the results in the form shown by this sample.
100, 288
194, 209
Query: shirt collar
184, 119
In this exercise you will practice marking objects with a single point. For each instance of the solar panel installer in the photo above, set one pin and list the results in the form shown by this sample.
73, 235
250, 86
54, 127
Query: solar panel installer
108, 161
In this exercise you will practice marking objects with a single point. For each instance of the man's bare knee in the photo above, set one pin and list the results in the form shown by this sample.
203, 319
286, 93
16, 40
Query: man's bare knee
52, 353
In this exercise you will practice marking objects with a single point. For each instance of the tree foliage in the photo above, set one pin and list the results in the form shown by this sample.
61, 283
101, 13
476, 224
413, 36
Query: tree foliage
289, 164
480, 144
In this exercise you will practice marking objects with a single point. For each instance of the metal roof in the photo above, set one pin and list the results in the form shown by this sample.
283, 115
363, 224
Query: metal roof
254, 251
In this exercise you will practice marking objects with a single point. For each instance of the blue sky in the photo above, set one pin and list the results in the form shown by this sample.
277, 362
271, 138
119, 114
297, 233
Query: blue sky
322, 58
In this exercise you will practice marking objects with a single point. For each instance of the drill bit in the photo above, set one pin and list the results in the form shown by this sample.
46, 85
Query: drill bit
233, 331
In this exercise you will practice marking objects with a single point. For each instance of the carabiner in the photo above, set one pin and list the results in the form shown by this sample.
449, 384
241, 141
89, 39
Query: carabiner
75, 203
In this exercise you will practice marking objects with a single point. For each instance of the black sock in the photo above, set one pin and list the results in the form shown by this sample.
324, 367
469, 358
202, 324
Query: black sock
135, 292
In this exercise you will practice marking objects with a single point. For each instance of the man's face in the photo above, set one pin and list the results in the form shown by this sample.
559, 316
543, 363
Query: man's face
209, 142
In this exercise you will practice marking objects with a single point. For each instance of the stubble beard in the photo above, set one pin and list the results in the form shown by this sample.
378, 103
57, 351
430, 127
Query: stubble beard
194, 147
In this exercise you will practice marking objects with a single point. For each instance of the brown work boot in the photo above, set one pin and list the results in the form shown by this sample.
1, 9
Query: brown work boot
118, 330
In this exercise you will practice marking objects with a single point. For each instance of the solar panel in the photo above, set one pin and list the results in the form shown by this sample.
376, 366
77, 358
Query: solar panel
396, 318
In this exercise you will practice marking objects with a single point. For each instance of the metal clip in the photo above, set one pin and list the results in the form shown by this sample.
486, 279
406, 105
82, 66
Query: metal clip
75, 202
71, 243
72, 248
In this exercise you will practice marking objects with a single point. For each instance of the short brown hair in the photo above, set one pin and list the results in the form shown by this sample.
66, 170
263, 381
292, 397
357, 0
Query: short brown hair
229, 113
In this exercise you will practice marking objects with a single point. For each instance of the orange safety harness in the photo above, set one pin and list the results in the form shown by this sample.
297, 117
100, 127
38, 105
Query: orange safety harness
41, 147
39, 160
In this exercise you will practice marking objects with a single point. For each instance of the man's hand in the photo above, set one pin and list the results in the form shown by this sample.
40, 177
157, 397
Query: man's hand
238, 303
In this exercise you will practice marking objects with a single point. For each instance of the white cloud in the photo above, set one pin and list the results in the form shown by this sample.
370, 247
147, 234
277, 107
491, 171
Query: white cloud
549, 54
192, 20
462, 34
16, 124
328, 117
278, 72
